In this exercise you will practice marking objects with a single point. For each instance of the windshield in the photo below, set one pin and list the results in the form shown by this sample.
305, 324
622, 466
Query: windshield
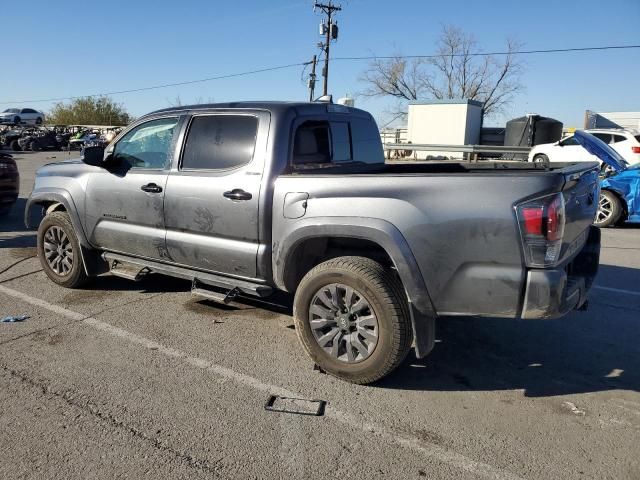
11, 110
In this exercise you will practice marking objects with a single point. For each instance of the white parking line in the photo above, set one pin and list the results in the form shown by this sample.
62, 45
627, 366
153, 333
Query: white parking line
617, 290
430, 450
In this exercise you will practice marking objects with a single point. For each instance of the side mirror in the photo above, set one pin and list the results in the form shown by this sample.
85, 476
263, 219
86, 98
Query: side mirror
96, 156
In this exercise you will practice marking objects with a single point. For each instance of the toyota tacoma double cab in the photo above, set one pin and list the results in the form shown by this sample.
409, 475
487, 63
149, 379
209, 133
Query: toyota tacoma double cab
249, 198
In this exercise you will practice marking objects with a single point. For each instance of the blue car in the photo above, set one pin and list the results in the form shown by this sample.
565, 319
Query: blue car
619, 184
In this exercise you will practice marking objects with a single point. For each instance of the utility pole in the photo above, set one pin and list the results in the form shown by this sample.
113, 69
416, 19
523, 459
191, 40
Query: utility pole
330, 31
312, 79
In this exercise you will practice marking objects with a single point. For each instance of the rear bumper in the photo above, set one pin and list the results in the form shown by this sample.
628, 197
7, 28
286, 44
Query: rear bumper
554, 293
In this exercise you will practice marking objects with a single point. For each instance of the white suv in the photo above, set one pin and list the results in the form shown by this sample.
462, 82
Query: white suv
21, 115
625, 142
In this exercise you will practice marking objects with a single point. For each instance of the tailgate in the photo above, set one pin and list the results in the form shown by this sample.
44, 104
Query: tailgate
581, 192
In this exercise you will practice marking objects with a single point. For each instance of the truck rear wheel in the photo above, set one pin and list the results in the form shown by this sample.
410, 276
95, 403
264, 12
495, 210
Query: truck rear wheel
352, 318
59, 251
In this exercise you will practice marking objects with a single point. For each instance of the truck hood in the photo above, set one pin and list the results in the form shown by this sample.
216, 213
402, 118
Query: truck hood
64, 168
604, 152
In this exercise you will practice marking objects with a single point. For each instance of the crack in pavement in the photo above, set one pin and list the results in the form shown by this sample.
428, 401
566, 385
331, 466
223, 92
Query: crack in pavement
77, 400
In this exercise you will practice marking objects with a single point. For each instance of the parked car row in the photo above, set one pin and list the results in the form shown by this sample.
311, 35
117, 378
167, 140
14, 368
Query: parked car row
18, 116
22, 138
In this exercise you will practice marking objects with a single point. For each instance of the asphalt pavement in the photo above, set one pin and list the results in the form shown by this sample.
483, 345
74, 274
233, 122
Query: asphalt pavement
141, 380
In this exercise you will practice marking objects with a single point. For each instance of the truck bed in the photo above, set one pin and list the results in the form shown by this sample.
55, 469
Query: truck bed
458, 219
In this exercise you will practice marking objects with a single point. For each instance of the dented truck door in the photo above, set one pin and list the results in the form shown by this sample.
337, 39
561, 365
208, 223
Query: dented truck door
212, 196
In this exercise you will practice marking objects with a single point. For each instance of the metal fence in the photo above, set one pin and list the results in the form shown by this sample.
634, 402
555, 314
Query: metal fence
469, 152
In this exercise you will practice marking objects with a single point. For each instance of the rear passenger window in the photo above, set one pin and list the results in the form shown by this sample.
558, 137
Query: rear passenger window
217, 142
618, 138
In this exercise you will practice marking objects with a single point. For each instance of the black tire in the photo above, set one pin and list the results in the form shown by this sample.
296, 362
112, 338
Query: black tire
385, 294
39, 121
15, 146
541, 158
33, 146
17, 120
77, 276
610, 209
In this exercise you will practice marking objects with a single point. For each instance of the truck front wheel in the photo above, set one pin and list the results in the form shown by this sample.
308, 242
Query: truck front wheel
59, 251
352, 318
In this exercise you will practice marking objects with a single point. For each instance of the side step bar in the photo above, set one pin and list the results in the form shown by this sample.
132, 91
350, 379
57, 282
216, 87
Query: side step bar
220, 297
135, 268
128, 271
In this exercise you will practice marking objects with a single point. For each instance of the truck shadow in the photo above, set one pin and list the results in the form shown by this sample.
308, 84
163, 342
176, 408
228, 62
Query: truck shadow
584, 352
591, 351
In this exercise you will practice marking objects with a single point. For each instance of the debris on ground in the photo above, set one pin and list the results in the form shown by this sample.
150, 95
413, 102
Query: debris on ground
15, 319
572, 408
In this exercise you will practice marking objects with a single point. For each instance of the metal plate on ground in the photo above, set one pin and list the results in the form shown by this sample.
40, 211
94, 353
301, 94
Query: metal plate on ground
298, 406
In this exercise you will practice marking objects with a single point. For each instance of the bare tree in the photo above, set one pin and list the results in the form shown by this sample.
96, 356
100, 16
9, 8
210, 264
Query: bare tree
455, 71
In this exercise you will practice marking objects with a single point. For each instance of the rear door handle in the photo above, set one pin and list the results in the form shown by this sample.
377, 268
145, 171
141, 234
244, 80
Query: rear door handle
238, 194
151, 188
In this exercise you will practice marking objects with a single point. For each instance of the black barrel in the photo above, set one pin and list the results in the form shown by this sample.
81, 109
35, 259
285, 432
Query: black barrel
531, 130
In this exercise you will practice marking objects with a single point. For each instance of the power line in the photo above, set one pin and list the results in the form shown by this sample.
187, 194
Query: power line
166, 85
299, 64
486, 54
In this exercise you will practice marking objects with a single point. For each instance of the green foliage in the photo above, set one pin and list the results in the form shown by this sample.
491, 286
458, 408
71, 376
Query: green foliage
89, 111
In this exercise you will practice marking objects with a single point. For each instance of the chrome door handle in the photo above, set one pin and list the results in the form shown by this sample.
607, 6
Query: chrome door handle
151, 188
237, 194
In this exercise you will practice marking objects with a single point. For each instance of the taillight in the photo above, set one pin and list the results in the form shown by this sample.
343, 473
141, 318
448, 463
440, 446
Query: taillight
542, 228
8, 166
635, 149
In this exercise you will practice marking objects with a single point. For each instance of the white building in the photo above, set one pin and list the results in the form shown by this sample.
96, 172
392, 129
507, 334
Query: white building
628, 120
444, 122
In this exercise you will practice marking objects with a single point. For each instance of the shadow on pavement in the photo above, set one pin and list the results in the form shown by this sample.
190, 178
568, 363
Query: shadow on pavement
583, 352
13, 233
279, 302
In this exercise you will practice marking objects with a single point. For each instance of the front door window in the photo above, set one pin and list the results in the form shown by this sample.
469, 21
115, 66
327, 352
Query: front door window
147, 145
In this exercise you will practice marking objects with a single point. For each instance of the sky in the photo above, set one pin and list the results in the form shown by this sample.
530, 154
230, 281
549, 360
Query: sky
69, 48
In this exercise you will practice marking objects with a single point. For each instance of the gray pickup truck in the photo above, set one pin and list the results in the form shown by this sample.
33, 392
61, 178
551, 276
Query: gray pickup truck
247, 198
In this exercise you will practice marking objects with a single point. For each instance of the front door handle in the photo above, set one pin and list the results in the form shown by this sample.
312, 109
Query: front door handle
238, 194
151, 188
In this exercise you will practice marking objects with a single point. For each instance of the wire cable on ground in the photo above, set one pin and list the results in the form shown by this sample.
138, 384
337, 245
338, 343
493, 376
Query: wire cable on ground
16, 263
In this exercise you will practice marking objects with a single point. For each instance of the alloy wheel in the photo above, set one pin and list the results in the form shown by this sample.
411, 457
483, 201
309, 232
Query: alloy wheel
605, 209
343, 323
58, 251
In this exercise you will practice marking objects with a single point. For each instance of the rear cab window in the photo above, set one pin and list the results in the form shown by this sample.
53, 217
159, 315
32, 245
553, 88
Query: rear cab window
341, 139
